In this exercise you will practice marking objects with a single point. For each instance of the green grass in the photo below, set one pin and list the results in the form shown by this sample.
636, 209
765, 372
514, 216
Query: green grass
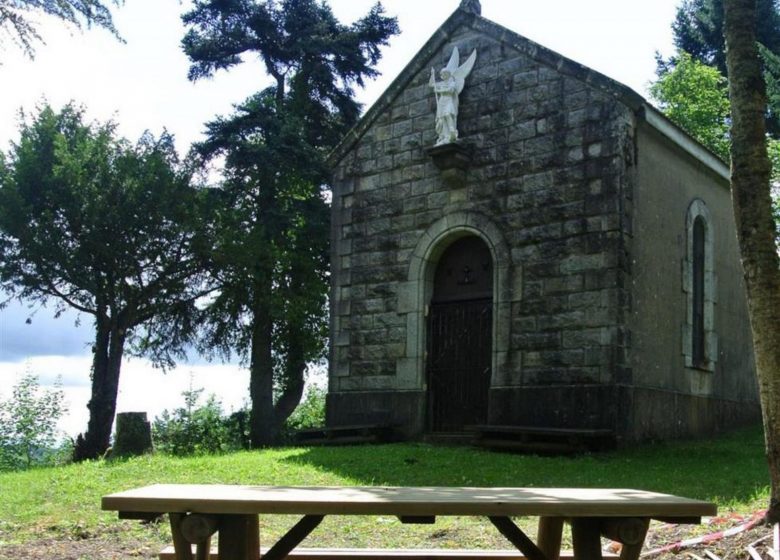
65, 501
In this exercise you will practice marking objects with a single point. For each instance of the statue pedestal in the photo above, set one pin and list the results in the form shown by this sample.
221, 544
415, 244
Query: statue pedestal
453, 160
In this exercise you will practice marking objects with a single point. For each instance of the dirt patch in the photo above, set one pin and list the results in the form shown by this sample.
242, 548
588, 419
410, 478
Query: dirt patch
146, 546
86, 549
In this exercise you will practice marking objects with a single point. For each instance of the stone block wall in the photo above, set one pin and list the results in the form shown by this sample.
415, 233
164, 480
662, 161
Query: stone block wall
549, 190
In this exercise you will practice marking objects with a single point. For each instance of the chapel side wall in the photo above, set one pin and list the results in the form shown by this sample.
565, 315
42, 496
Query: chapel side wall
669, 399
549, 181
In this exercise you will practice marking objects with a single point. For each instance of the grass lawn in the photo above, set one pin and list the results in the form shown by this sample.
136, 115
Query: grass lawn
65, 502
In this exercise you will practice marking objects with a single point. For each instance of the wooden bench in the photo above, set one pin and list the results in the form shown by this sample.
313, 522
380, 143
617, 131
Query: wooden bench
169, 553
552, 441
199, 511
348, 435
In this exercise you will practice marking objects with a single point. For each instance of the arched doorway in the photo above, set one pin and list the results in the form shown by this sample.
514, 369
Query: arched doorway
459, 337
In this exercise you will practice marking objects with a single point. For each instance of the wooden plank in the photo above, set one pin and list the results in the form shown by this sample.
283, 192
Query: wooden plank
514, 535
347, 428
549, 535
342, 440
180, 544
239, 537
626, 530
543, 431
586, 539
679, 520
197, 528
417, 519
140, 516
376, 500
632, 550
533, 446
293, 537
391, 554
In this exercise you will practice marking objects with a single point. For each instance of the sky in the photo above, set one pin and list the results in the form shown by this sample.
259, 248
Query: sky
142, 84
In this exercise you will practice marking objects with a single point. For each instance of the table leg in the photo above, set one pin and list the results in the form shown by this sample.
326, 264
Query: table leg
631, 550
239, 537
293, 537
514, 535
586, 538
548, 536
203, 549
181, 546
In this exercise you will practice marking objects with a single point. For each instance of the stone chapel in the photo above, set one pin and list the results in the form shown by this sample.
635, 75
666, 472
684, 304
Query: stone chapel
568, 261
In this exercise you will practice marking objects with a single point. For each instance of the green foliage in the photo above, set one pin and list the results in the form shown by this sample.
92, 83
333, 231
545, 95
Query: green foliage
310, 413
772, 78
28, 424
271, 229
197, 429
17, 18
315, 60
695, 96
698, 30
109, 228
774, 156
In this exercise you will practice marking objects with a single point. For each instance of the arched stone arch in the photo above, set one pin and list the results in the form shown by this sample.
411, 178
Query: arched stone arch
416, 295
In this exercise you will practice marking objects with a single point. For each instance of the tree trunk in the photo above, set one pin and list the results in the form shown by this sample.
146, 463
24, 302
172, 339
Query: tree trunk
750, 172
108, 349
294, 381
261, 378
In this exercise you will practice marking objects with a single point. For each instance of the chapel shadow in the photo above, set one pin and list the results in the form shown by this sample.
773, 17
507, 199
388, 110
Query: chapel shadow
728, 468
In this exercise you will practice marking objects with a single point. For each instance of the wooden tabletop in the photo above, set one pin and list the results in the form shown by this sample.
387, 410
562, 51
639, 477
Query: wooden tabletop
404, 501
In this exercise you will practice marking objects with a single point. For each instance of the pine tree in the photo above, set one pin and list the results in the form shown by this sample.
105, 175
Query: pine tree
272, 229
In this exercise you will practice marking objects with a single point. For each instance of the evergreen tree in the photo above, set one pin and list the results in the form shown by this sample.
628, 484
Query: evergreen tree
698, 30
109, 229
17, 18
272, 228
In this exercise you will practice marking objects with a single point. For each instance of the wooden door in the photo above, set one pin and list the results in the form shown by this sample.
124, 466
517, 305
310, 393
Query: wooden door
459, 337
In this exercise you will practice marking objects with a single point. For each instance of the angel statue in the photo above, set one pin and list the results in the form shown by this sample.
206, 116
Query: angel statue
453, 77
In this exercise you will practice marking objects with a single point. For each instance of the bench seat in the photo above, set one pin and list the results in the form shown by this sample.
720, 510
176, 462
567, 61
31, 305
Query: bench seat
392, 554
534, 439
347, 435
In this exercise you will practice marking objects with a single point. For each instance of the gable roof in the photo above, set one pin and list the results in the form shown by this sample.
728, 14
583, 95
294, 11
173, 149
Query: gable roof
468, 18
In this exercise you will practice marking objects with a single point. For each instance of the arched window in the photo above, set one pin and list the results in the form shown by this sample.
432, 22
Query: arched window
699, 251
699, 337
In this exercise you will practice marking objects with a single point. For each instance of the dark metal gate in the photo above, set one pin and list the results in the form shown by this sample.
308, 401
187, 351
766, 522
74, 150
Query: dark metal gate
460, 336
459, 348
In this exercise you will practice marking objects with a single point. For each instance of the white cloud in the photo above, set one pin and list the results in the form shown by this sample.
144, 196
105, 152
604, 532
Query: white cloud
141, 387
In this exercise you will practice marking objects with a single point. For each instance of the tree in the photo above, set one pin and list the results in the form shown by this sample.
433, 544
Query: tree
272, 229
28, 423
695, 96
90, 222
16, 23
750, 186
698, 30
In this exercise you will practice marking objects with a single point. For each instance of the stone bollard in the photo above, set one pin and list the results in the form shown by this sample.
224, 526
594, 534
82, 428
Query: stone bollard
133, 435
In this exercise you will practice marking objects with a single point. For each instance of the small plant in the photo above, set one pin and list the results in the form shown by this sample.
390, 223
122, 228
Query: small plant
310, 413
196, 430
28, 424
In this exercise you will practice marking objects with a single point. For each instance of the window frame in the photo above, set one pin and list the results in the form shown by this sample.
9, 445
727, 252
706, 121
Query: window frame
700, 341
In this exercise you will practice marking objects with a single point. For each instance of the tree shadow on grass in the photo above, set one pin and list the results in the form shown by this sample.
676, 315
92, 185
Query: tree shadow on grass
729, 469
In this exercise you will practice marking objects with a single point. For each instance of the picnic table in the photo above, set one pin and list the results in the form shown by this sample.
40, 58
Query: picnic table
198, 511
